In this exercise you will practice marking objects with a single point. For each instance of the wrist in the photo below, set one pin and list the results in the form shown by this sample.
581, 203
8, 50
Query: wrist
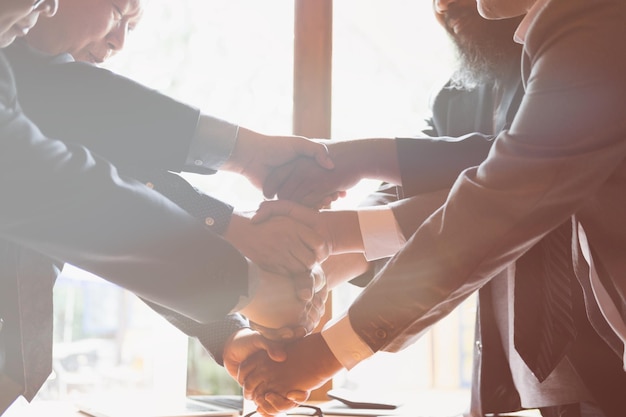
386, 163
237, 227
329, 365
238, 158
343, 229
375, 158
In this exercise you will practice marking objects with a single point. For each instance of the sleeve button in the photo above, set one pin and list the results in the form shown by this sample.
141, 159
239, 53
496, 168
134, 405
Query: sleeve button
381, 334
209, 221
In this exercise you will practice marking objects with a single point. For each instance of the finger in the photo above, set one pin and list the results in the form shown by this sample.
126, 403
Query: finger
302, 179
301, 257
318, 248
299, 332
318, 151
319, 303
279, 403
319, 278
313, 318
276, 178
275, 350
326, 201
298, 396
269, 209
323, 158
335, 196
265, 408
309, 319
248, 374
285, 333
304, 284
303, 252
250, 384
310, 198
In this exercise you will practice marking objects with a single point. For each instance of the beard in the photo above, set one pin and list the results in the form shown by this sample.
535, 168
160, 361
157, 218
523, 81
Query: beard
486, 51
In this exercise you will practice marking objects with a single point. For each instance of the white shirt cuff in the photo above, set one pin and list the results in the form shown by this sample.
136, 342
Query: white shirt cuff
346, 345
380, 232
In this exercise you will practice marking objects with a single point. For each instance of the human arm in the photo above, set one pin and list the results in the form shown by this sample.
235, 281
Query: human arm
140, 129
376, 231
78, 209
304, 182
420, 164
255, 155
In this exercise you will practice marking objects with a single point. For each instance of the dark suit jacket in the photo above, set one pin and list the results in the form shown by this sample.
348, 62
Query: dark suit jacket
61, 200
144, 133
135, 127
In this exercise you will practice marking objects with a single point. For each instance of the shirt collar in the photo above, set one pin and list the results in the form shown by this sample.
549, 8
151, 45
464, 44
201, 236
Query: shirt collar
529, 19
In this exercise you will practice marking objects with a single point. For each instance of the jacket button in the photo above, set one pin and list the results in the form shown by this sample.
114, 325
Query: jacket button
1, 323
381, 334
479, 347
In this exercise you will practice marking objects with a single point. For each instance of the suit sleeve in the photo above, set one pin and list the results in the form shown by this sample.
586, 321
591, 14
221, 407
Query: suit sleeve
72, 205
430, 164
136, 128
450, 142
212, 336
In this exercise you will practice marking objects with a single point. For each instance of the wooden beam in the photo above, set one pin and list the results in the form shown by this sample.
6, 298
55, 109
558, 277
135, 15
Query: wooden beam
312, 91
312, 68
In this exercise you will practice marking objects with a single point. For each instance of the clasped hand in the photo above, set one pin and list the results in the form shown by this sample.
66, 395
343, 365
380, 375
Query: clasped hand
287, 306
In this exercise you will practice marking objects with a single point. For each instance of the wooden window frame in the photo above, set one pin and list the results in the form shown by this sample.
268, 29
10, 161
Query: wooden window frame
312, 90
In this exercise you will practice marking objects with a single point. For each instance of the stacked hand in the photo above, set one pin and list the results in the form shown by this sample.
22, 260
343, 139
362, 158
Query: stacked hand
278, 243
279, 385
308, 183
293, 302
255, 155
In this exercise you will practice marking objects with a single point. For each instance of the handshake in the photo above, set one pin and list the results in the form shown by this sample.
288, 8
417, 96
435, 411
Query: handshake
293, 245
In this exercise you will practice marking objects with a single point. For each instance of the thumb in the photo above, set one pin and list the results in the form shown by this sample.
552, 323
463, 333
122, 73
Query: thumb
322, 156
274, 350
298, 396
269, 209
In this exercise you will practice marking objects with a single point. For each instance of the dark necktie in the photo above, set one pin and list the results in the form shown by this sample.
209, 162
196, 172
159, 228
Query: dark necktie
544, 325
